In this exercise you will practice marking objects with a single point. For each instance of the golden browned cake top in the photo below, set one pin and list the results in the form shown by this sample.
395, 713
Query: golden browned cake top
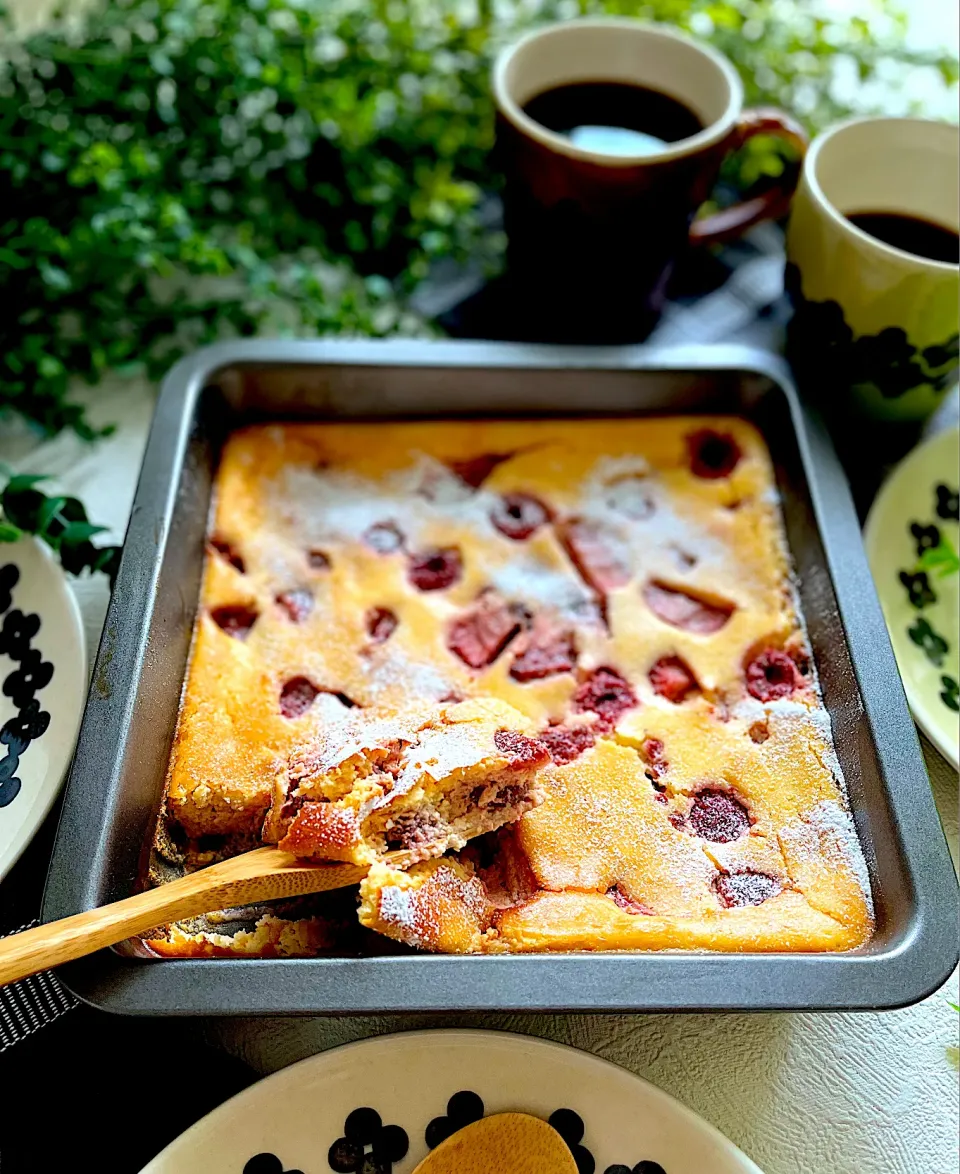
622, 583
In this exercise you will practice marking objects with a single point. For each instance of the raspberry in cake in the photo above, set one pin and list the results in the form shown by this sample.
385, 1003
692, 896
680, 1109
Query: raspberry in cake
381, 624
228, 551
296, 604
772, 675
712, 454
518, 515
436, 569
566, 743
235, 620
606, 693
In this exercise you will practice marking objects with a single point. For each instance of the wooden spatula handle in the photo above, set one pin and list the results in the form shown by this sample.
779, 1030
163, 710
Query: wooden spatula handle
261, 875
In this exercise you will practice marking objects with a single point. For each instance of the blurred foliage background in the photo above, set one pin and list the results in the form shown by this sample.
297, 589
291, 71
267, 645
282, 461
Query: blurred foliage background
175, 171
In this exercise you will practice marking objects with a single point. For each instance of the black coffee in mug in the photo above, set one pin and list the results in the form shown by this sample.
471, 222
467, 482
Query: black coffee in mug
614, 118
610, 135
912, 234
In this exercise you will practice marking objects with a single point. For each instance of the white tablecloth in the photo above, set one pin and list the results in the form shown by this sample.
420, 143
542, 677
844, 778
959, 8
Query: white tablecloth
801, 1094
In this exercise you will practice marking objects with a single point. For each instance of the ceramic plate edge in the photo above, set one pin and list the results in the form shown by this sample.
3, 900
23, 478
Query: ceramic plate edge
871, 537
10, 857
157, 1164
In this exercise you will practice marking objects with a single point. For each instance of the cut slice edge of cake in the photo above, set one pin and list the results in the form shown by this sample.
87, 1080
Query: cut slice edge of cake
408, 785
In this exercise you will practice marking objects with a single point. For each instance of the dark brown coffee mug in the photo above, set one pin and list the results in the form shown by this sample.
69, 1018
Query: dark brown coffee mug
593, 236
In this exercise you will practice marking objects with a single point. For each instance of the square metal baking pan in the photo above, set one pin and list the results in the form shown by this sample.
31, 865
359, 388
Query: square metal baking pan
116, 784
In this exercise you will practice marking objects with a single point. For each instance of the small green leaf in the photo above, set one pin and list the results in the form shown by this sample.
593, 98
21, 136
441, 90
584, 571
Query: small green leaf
76, 532
72, 510
61, 522
21, 481
14, 260
48, 511
941, 560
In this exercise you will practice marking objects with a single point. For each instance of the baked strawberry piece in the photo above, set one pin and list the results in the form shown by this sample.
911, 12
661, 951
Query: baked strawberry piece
717, 816
381, 623
235, 619
566, 743
739, 889
296, 604
685, 609
653, 753
544, 651
229, 552
298, 695
594, 552
481, 633
475, 470
625, 902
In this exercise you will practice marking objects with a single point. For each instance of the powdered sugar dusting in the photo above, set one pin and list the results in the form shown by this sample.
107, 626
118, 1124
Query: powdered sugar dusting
817, 717
397, 907
338, 505
394, 671
749, 710
827, 832
610, 469
660, 530
836, 828
530, 580
446, 749
814, 718
329, 710
332, 504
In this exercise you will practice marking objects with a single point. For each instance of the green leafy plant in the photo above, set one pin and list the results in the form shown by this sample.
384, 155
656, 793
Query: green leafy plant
179, 170
60, 522
941, 560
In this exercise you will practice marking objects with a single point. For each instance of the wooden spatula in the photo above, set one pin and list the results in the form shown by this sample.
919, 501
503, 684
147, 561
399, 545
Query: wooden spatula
261, 875
506, 1143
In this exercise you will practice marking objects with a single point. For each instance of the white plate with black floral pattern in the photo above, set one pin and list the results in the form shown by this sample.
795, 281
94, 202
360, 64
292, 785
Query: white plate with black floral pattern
380, 1105
43, 678
913, 539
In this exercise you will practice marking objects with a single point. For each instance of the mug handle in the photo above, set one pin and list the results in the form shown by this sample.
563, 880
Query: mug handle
732, 222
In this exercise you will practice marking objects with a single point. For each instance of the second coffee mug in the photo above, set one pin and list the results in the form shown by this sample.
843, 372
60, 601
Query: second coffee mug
874, 269
611, 134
